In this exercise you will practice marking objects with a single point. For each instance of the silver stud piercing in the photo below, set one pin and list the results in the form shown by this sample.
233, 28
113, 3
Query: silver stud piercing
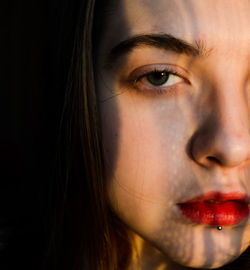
219, 228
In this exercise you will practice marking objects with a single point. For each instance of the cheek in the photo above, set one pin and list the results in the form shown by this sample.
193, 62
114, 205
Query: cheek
143, 147
134, 141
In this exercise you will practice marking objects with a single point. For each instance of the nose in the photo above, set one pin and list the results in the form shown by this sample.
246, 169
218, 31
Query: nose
223, 139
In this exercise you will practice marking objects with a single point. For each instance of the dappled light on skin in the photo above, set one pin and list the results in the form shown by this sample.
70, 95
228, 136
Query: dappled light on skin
165, 147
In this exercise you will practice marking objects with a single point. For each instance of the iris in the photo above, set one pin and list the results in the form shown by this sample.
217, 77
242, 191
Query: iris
157, 78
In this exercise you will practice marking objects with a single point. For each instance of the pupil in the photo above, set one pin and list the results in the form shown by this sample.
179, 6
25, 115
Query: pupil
157, 78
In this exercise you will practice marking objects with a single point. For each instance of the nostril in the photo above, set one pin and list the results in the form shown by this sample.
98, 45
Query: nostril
214, 159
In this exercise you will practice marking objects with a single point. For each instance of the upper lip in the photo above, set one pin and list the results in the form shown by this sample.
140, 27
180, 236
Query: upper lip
220, 197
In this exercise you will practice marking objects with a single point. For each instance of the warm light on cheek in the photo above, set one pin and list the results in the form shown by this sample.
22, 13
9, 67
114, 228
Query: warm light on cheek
145, 145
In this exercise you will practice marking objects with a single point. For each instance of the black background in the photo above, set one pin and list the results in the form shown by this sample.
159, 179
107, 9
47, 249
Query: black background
30, 110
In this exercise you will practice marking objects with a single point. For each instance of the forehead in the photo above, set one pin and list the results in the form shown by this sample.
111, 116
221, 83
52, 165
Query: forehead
218, 22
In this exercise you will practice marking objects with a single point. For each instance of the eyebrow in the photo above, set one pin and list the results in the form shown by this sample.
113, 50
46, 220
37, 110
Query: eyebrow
161, 41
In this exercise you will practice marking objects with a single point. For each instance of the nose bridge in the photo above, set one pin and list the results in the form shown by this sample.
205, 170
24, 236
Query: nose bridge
231, 109
225, 138
232, 138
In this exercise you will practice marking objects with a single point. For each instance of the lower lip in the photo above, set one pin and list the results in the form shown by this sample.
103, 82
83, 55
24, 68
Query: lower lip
226, 213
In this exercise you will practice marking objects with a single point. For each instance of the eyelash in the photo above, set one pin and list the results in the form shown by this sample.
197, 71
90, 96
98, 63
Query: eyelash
159, 90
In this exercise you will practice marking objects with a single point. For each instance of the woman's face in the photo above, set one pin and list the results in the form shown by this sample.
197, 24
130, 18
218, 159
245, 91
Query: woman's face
174, 96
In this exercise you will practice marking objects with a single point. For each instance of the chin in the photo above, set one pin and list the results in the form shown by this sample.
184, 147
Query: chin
209, 262
200, 256
204, 265
211, 266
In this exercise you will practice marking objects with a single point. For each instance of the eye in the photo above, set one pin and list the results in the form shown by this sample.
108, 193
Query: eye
160, 78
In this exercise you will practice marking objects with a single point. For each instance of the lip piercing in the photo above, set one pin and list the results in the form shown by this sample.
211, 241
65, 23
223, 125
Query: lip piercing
219, 228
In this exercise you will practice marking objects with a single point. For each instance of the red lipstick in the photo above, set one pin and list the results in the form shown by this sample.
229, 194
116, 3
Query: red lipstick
216, 208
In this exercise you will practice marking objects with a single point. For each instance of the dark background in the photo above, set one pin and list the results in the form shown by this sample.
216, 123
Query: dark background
30, 109
37, 39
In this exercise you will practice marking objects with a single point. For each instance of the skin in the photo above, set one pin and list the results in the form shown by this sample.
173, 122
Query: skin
163, 149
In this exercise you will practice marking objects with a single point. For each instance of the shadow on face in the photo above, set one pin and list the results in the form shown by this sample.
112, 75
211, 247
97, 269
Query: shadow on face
173, 85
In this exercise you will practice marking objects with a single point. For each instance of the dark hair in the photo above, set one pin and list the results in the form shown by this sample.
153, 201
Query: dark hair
85, 234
